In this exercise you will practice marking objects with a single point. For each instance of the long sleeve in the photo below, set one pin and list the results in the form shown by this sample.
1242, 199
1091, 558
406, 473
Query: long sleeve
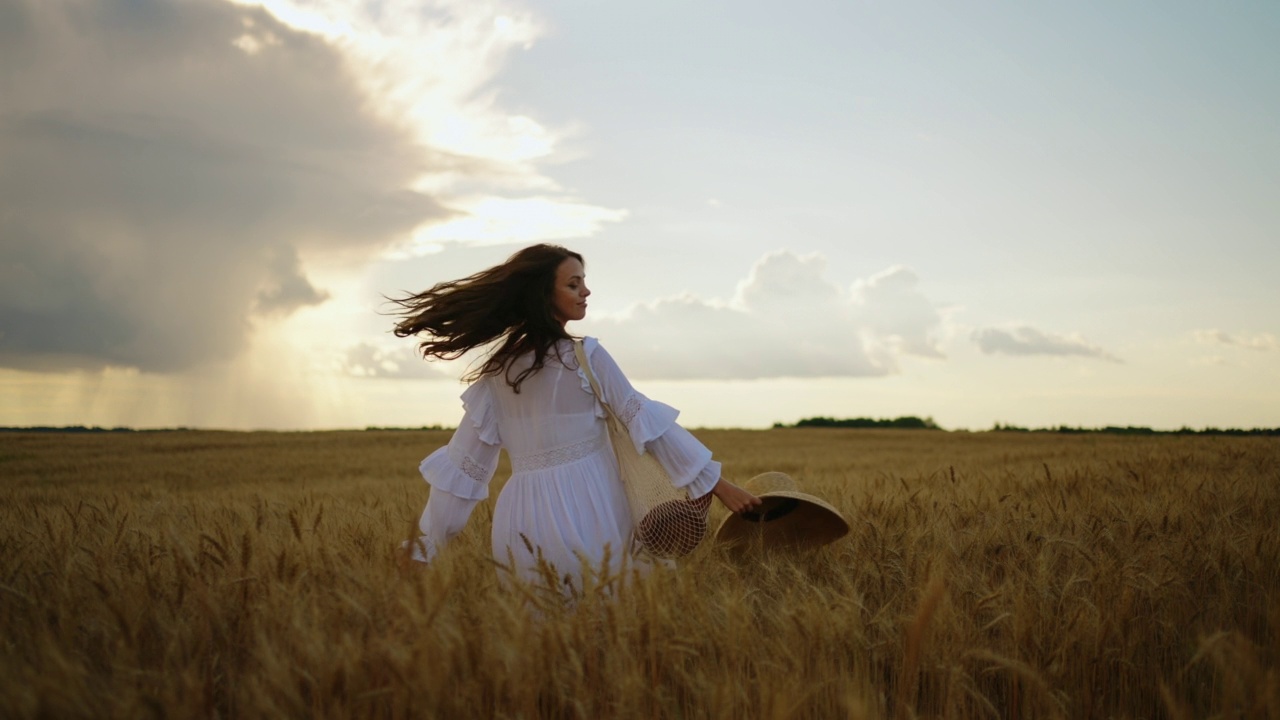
681, 453
653, 428
459, 473
444, 517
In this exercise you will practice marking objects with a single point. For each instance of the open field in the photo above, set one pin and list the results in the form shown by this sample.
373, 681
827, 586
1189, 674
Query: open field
205, 574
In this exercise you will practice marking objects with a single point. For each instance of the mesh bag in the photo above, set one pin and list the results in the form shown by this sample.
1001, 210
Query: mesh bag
668, 523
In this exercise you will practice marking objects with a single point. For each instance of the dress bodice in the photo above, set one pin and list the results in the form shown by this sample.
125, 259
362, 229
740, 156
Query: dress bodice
552, 416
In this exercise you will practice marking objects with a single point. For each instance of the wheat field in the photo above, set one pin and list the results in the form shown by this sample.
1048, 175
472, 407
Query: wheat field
1003, 575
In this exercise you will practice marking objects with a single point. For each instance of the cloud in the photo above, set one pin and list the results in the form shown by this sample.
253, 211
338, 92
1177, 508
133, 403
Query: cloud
401, 362
1262, 341
169, 169
785, 320
1030, 341
503, 221
892, 307
429, 65
158, 183
286, 289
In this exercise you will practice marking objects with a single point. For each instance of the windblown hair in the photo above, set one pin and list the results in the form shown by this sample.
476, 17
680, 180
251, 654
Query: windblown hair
511, 302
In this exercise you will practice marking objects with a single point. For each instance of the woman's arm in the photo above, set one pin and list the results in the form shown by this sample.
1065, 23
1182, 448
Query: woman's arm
459, 475
444, 517
653, 428
734, 497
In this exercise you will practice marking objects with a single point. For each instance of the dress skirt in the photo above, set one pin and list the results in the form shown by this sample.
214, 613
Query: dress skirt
564, 507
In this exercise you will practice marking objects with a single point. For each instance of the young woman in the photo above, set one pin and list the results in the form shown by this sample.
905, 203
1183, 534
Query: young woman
564, 502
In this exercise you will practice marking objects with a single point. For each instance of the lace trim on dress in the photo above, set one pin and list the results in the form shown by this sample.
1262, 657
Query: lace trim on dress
557, 456
472, 469
633, 406
443, 469
469, 467
649, 421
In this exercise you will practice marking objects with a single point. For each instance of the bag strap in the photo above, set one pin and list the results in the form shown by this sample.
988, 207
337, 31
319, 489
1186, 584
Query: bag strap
581, 353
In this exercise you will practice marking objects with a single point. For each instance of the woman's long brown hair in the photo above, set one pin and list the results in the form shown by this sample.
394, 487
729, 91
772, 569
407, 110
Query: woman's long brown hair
511, 301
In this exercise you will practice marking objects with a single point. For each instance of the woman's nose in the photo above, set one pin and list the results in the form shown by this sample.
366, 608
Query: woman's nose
586, 291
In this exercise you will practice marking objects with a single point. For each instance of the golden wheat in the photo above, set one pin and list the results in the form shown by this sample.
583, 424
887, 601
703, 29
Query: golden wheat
202, 574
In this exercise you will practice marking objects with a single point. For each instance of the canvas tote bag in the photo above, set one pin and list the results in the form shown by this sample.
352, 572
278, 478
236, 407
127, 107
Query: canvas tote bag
668, 523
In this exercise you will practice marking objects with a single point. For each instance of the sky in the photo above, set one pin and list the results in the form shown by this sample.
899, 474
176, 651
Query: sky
1035, 214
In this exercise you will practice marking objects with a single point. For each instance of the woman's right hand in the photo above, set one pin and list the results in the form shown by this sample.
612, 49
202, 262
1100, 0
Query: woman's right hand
734, 497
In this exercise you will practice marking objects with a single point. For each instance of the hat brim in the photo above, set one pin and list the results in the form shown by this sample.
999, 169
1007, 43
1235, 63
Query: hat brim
785, 518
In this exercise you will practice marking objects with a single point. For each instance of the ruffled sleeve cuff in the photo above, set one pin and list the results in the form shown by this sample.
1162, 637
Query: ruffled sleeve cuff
705, 480
687, 460
461, 477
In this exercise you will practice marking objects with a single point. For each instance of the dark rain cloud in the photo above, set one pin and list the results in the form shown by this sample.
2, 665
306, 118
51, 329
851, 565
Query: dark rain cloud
164, 168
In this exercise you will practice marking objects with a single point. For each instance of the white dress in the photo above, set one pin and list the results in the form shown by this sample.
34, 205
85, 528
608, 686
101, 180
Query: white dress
564, 496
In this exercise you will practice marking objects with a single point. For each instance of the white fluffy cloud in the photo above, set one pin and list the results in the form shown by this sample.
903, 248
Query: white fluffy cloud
1026, 340
893, 309
786, 320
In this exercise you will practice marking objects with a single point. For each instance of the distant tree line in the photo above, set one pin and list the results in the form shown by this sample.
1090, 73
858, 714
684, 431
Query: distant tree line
1137, 430
907, 422
911, 422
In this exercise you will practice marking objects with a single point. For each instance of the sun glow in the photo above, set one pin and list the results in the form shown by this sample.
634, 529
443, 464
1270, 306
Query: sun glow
496, 221
428, 65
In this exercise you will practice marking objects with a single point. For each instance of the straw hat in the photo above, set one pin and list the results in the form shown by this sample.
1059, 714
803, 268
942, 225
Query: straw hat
786, 517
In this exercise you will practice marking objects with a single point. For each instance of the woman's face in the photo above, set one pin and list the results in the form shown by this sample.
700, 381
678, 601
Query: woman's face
569, 296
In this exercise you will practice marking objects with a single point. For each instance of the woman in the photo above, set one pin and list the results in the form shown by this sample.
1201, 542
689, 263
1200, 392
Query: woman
564, 502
